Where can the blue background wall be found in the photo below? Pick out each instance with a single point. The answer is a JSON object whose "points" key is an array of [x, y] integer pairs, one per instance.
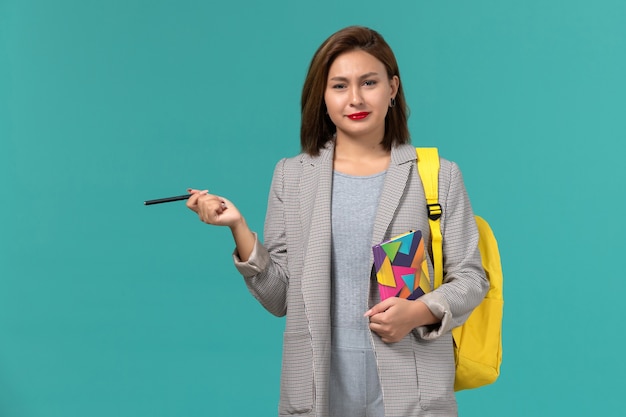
{"points": [[110, 308]]}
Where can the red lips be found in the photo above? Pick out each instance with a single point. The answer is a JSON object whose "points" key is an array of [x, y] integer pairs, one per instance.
{"points": [[358, 116]]}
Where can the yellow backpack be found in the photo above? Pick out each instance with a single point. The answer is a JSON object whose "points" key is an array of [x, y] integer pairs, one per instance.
{"points": [[478, 342]]}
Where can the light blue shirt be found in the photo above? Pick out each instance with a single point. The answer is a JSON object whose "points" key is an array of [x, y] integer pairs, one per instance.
{"points": [[354, 385]]}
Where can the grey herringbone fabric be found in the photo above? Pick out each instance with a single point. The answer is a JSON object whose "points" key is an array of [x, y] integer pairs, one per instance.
{"points": [[290, 274]]}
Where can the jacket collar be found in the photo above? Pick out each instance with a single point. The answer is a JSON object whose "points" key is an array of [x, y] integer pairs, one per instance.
{"points": [[400, 154]]}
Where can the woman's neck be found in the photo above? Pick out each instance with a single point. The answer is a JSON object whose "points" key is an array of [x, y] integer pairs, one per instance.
{"points": [[356, 157]]}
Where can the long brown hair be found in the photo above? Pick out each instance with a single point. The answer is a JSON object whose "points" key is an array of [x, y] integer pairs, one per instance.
{"points": [[316, 127]]}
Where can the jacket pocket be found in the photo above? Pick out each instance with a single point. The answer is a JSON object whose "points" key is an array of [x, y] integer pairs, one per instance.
{"points": [[296, 381], [434, 363]]}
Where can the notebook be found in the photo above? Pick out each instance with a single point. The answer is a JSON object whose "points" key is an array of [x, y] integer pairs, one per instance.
{"points": [[401, 268]]}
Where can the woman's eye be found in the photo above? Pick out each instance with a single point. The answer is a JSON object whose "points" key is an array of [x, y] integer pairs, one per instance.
{"points": [[369, 83], [339, 86]]}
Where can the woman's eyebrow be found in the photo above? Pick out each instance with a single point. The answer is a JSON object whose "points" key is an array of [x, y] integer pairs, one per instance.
{"points": [[367, 75]]}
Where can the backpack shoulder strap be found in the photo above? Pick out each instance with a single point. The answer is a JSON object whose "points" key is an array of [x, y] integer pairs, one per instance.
{"points": [[428, 168]]}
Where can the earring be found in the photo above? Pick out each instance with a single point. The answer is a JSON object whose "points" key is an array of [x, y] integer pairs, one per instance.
{"points": [[392, 103]]}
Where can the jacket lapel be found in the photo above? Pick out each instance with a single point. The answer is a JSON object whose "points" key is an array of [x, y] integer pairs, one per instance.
{"points": [[315, 196], [315, 209], [402, 163]]}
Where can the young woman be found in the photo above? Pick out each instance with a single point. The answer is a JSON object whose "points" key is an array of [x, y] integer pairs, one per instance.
{"points": [[346, 353]]}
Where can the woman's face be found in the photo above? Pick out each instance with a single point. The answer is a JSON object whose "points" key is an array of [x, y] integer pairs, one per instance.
{"points": [[358, 94]]}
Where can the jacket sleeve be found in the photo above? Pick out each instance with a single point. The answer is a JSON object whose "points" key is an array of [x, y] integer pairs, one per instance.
{"points": [[265, 272], [464, 281]]}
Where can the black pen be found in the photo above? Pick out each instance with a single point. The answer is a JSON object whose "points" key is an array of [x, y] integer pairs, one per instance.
{"points": [[167, 199]]}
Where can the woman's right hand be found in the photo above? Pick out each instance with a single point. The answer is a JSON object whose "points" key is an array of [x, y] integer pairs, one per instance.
{"points": [[218, 211], [212, 209]]}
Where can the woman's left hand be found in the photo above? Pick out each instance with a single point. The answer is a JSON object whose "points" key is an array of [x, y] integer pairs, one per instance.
{"points": [[395, 317]]}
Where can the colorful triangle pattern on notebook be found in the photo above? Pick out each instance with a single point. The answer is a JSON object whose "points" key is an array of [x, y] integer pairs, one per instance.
{"points": [[401, 268]]}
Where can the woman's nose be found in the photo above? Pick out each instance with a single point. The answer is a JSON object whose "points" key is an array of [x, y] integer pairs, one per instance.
{"points": [[356, 98]]}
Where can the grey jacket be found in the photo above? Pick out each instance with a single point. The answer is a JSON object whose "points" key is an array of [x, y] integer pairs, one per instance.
{"points": [[290, 274]]}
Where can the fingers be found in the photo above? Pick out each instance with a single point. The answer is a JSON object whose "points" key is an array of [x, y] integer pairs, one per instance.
{"points": [[381, 307], [395, 317], [387, 332], [382, 329], [213, 209], [225, 202], [192, 202], [209, 207], [390, 319], [194, 191], [377, 318]]}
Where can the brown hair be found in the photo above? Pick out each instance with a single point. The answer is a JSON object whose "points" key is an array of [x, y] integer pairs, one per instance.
{"points": [[316, 127]]}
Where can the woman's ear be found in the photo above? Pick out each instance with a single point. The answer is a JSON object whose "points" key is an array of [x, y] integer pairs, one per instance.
{"points": [[395, 85]]}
